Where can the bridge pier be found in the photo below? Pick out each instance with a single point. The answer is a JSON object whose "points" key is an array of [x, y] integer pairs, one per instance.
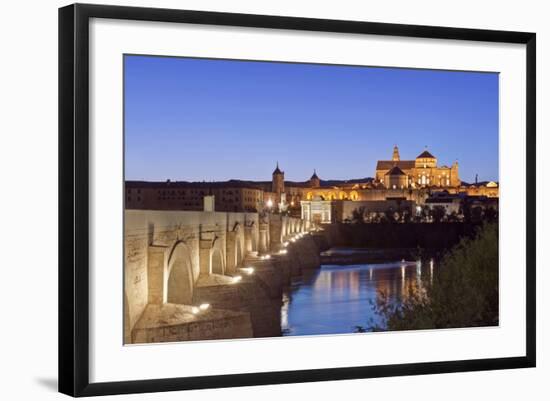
{"points": [[275, 232], [262, 248], [156, 274], [205, 257], [232, 251], [248, 232]]}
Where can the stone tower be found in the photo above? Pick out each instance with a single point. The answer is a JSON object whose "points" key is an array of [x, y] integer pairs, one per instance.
{"points": [[395, 156], [278, 181], [455, 178], [314, 181]]}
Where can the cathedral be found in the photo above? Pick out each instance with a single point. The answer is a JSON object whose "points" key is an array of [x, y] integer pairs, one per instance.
{"points": [[393, 178], [418, 173]]}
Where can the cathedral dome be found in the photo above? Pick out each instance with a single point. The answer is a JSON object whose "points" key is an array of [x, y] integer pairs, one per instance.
{"points": [[425, 160]]}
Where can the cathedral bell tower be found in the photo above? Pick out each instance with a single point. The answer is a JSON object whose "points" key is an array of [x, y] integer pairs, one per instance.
{"points": [[314, 181], [395, 156]]}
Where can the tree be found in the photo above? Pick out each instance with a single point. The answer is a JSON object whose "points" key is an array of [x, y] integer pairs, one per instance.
{"points": [[466, 211], [358, 215], [406, 216], [390, 215], [425, 213], [453, 217], [476, 214], [490, 215], [438, 213], [464, 292]]}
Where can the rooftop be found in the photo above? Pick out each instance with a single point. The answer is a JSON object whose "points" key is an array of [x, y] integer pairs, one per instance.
{"points": [[395, 171], [425, 155], [388, 164], [277, 170]]}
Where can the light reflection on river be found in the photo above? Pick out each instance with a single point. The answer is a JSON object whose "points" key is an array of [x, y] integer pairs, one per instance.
{"points": [[337, 298]]}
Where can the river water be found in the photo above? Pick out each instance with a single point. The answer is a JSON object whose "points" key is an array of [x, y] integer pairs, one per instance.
{"points": [[337, 298]]}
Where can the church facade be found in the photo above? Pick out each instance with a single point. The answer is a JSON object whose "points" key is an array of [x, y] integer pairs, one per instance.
{"points": [[418, 173]]}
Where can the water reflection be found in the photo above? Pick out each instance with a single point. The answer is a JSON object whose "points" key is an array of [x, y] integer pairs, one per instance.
{"points": [[337, 299]]}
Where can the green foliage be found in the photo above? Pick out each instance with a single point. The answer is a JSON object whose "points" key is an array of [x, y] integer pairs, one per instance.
{"points": [[477, 214], [453, 217], [390, 216], [358, 215], [464, 292], [490, 215], [438, 213]]}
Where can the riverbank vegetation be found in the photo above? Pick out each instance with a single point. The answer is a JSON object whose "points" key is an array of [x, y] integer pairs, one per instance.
{"points": [[439, 236], [467, 213], [464, 291]]}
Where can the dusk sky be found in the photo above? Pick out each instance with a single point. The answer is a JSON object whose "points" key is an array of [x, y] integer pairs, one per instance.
{"points": [[197, 119]]}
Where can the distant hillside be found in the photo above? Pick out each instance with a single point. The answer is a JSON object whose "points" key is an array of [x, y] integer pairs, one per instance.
{"points": [[242, 183]]}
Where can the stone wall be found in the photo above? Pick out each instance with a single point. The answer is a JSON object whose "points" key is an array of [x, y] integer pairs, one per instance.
{"points": [[171, 322], [147, 231], [187, 258]]}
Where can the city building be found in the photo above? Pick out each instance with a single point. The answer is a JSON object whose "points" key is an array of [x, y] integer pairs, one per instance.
{"points": [[451, 203], [231, 196], [421, 172], [395, 180], [317, 210]]}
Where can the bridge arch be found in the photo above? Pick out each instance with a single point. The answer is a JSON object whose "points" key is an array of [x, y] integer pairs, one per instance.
{"points": [[179, 277]]}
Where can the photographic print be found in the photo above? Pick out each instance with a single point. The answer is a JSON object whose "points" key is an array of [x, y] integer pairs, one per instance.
{"points": [[269, 199]]}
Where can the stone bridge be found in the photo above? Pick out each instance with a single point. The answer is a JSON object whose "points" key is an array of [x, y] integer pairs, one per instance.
{"points": [[207, 275]]}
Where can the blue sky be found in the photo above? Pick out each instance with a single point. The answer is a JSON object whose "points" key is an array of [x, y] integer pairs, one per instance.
{"points": [[201, 119]]}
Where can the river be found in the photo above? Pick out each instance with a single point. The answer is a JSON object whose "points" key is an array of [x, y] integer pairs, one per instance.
{"points": [[335, 299]]}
